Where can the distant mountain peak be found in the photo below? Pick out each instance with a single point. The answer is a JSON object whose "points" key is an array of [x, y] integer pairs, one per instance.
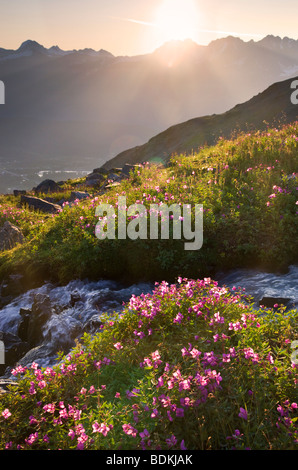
{"points": [[31, 46]]}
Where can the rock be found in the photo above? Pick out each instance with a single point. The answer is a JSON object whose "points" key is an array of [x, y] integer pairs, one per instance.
{"points": [[41, 313], [6, 384], [18, 192], [271, 301], [40, 204], [128, 168], [78, 195], [15, 349], [10, 236], [112, 185], [74, 298], [13, 286], [94, 178], [113, 177], [23, 327], [47, 186], [42, 355], [102, 171]]}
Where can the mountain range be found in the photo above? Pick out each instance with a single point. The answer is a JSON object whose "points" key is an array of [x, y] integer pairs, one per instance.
{"points": [[76, 110]]}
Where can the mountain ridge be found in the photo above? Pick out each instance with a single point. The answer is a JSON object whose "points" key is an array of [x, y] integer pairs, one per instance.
{"points": [[266, 108]]}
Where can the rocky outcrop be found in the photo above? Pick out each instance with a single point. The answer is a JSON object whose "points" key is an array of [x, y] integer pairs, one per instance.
{"points": [[31, 326], [40, 204], [10, 236]]}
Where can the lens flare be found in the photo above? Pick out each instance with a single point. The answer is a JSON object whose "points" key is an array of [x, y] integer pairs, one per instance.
{"points": [[177, 19]]}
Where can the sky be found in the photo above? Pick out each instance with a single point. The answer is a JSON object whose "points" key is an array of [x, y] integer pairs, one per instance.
{"points": [[133, 27]]}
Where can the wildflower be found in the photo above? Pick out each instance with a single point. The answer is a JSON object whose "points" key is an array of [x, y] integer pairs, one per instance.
{"points": [[102, 428], [144, 434], [172, 441], [18, 370], [32, 388], [118, 346], [50, 408], [32, 438], [6, 413], [182, 445], [81, 441], [154, 413], [129, 430]]}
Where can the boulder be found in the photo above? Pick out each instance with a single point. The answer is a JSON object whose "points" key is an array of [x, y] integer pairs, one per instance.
{"points": [[10, 236], [93, 325], [19, 192], [40, 314], [47, 186], [127, 168], [95, 179], [74, 298], [40, 204], [15, 349], [80, 195]]}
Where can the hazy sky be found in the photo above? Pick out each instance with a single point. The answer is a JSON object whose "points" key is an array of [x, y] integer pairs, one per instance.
{"points": [[130, 27]]}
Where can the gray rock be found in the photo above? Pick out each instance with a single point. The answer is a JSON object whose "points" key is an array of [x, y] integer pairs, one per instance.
{"points": [[78, 195], [10, 236], [128, 168], [41, 313], [47, 186], [40, 204], [19, 192]]}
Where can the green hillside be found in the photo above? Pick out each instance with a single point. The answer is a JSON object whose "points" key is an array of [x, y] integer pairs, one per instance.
{"points": [[248, 189], [273, 106]]}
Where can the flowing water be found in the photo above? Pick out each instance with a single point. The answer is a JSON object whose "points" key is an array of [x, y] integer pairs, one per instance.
{"points": [[78, 306]]}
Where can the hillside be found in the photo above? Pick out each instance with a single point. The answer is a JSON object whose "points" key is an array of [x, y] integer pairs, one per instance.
{"points": [[273, 106]]}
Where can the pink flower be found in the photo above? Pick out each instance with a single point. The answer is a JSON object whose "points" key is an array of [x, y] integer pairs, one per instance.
{"points": [[144, 434], [171, 441], [6, 413], [129, 430], [102, 428], [118, 346], [179, 412]]}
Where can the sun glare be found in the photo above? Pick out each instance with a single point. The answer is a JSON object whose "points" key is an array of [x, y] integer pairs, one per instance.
{"points": [[177, 19]]}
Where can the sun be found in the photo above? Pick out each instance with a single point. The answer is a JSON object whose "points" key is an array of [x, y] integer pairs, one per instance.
{"points": [[177, 19]]}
